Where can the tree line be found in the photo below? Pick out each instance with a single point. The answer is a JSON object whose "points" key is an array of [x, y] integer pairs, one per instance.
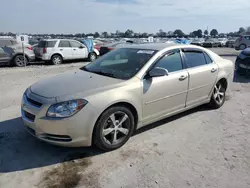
{"points": [[131, 34]]}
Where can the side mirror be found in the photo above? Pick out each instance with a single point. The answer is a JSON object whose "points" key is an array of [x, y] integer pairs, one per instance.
{"points": [[157, 72]]}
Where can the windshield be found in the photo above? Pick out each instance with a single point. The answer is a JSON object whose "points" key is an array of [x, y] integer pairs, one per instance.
{"points": [[122, 63]]}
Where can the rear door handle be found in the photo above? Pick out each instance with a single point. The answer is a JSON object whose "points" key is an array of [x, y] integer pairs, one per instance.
{"points": [[213, 70], [61, 49], [74, 49], [182, 77]]}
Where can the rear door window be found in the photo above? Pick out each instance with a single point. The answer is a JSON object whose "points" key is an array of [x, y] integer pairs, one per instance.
{"points": [[208, 59], [46, 44], [64, 44], [194, 58]]}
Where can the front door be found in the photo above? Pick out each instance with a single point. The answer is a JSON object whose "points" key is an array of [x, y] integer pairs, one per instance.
{"points": [[202, 75], [165, 94], [79, 50]]}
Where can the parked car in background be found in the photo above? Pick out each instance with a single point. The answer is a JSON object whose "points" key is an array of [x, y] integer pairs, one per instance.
{"points": [[106, 101], [58, 50], [242, 63], [111, 46], [230, 43], [242, 42], [11, 52], [198, 41], [212, 42], [222, 42]]}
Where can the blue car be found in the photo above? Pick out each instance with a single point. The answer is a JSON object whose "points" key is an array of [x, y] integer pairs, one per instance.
{"points": [[242, 63]]}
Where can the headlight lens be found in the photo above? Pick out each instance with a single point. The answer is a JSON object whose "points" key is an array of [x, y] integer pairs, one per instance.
{"points": [[66, 109]]}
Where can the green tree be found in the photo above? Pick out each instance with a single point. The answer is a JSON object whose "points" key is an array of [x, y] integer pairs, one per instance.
{"points": [[129, 33], [206, 32], [241, 30], [214, 32], [96, 35], [179, 33], [105, 34]]}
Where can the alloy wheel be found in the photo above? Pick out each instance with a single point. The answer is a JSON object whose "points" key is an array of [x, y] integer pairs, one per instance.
{"points": [[19, 61], [219, 93], [92, 57], [116, 128], [57, 60]]}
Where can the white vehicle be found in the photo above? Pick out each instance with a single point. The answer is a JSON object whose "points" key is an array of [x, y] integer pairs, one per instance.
{"points": [[58, 50]]}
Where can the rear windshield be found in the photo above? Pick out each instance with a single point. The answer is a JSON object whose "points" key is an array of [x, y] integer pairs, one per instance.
{"points": [[46, 44]]}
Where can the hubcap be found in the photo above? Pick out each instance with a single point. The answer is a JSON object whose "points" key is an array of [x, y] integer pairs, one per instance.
{"points": [[116, 128], [92, 57], [57, 60], [218, 93], [242, 47], [20, 60]]}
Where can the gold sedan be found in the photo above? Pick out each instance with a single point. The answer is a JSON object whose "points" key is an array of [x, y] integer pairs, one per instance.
{"points": [[104, 102]]}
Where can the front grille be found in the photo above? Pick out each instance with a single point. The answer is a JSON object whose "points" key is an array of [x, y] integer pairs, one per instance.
{"points": [[35, 103], [58, 138], [29, 116]]}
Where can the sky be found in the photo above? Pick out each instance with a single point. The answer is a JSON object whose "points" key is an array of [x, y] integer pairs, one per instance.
{"points": [[85, 16]]}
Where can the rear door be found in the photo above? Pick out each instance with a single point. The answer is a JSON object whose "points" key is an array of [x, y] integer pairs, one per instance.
{"points": [[202, 75], [65, 49], [247, 39], [79, 51]]}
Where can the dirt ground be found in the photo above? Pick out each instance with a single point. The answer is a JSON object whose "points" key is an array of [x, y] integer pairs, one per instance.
{"points": [[198, 148]]}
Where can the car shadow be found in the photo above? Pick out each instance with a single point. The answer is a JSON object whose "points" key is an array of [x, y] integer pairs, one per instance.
{"points": [[20, 151], [173, 118]]}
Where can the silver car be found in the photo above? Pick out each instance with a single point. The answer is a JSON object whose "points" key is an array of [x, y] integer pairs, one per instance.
{"points": [[11, 52], [104, 102], [242, 42]]}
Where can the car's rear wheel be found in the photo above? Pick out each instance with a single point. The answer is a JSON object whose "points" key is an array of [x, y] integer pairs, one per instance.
{"points": [[114, 128], [218, 96], [242, 47], [92, 56], [20, 61], [56, 59]]}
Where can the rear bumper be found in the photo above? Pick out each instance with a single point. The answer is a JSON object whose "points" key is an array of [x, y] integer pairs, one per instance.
{"points": [[32, 57]]}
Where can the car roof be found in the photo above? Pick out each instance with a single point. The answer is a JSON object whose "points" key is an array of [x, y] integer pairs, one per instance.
{"points": [[154, 46]]}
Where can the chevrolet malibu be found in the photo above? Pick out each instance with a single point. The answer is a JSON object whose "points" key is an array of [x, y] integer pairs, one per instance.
{"points": [[104, 102]]}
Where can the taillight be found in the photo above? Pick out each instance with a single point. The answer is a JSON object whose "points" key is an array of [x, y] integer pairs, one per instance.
{"points": [[44, 50], [241, 38], [111, 48], [29, 48]]}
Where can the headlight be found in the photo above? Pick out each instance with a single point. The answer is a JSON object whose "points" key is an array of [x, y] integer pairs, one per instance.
{"points": [[66, 109]]}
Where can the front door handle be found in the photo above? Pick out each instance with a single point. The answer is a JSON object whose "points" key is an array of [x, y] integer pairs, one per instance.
{"points": [[213, 70], [182, 77]]}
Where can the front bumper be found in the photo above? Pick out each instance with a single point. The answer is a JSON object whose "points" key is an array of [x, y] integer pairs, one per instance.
{"points": [[75, 131]]}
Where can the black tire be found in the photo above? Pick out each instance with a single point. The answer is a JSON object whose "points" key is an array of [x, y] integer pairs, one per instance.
{"points": [[100, 140], [19, 60], [56, 59], [92, 57], [214, 102], [242, 47]]}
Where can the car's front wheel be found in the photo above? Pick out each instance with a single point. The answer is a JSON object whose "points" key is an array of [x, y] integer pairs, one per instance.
{"points": [[113, 128], [218, 96], [92, 56]]}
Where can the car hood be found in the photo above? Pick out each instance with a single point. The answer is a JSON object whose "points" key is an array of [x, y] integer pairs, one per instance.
{"points": [[72, 83]]}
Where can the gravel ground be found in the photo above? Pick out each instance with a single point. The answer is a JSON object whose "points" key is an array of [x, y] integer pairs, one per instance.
{"points": [[198, 148]]}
